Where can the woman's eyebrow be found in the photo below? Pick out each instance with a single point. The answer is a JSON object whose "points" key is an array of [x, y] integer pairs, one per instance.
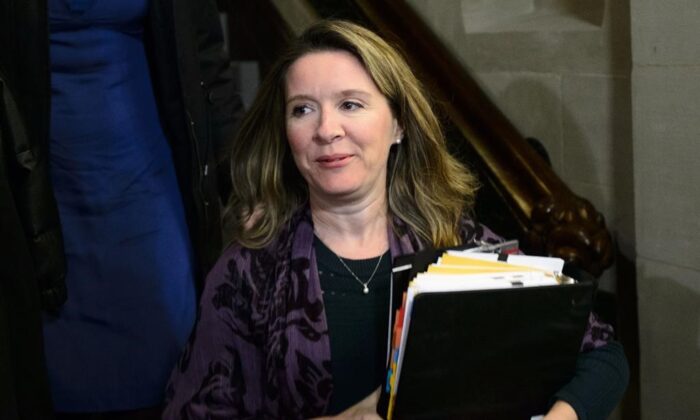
{"points": [[341, 94], [300, 96], [354, 92]]}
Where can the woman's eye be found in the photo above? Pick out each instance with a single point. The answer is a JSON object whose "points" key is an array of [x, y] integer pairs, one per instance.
{"points": [[299, 110], [350, 105]]}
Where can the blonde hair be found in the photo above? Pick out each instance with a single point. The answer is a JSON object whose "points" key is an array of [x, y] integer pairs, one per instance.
{"points": [[429, 190]]}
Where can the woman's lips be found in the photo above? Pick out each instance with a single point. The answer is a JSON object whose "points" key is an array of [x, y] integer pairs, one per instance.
{"points": [[334, 161]]}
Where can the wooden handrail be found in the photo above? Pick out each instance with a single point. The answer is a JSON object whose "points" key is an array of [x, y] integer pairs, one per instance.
{"points": [[553, 219]]}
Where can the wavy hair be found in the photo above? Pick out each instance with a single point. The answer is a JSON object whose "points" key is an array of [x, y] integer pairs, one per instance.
{"points": [[429, 190]]}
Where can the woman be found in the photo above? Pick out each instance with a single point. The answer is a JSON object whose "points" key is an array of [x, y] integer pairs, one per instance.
{"points": [[340, 167], [125, 104]]}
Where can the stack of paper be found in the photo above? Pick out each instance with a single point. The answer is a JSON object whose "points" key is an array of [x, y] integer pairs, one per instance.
{"points": [[466, 271]]}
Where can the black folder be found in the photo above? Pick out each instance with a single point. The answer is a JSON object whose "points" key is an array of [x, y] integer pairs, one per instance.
{"points": [[489, 354]]}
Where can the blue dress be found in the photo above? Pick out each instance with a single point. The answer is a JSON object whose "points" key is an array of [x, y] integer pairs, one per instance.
{"points": [[131, 299]]}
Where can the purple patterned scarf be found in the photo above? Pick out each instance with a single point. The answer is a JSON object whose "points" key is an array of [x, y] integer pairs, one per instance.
{"points": [[260, 348]]}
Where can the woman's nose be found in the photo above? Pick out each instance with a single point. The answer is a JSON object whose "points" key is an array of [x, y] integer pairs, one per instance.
{"points": [[329, 127]]}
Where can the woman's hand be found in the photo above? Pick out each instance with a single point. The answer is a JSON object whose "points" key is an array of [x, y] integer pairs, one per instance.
{"points": [[363, 410], [561, 411]]}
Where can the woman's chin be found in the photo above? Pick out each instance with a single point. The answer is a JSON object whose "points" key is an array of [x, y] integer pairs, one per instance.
{"points": [[338, 195], [343, 195]]}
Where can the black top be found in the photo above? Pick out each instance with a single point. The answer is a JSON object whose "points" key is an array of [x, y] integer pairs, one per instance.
{"points": [[358, 355], [357, 324], [595, 391]]}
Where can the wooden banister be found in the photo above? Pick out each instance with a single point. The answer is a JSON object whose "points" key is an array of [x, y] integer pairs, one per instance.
{"points": [[553, 219]]}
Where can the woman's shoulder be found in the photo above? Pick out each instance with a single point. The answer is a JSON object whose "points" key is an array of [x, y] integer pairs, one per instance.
{"points": [[256, 267], [242, 267], [471, 230]]}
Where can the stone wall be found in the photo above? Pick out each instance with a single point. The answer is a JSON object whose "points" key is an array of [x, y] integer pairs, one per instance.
{"points": [[666, 123], [561, 73], [612, 88]]}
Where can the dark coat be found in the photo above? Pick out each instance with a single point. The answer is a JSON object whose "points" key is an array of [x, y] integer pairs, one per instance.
{"points": [[24, 388], [198, 108], [197, 103]]}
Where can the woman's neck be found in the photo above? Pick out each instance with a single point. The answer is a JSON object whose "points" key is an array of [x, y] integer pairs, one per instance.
{"points": [[353, 230]]}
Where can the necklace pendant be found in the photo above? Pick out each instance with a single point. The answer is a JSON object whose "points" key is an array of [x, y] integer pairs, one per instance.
{"points": [[365, 290]]}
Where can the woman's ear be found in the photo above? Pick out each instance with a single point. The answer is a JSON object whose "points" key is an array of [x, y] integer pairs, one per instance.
{"points": [[398, 133]]}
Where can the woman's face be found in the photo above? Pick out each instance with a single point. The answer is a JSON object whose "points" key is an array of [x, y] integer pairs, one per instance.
{"points": [[339, 126]]}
